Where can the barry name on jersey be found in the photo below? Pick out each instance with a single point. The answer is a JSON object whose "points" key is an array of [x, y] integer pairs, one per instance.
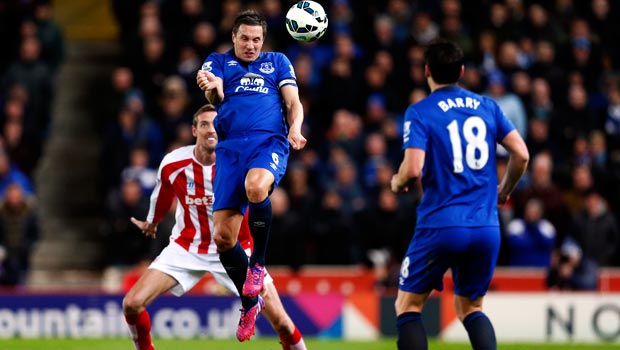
{"points": [[458, 102]]}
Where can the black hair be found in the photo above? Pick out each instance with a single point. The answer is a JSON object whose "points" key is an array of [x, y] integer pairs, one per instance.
{"points": [[444, 60]]}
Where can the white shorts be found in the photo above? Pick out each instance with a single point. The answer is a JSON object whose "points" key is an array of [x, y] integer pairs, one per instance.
{"points": [[189, 268]]}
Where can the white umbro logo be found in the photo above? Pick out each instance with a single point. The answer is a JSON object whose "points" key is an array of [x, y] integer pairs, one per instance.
{"points": [[231, 63]]}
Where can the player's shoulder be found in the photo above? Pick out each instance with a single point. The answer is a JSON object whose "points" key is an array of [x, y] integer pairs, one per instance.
{"points": [[179, 154], [214, 58]]}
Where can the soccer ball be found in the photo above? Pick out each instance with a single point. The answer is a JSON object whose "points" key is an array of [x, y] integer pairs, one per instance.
{"points": [[306, 21]]}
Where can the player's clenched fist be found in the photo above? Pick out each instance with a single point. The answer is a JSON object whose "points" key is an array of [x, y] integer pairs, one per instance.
{"points": [[205, 80]]}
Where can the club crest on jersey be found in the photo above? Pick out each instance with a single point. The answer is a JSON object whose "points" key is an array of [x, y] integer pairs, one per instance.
{"points": [[252, 82], [207, 66], [266, 67]]}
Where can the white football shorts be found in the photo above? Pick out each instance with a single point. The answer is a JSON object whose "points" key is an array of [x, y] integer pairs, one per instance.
{"points": [[189, 268]]}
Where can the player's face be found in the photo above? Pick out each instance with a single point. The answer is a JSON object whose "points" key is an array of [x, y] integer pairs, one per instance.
{"points": [[204, 131], [248, 42]]}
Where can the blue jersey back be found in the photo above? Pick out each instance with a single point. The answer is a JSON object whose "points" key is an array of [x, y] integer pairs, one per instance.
{"points": [[458, 130], [252, 101]]}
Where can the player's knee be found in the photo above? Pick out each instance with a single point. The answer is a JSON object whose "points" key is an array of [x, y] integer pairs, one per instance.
{"points": [[132, 305], [255, 192], [224, 242]]}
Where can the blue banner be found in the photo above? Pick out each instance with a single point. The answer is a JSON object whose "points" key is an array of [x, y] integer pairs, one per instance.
{"points": [[100, 316]]}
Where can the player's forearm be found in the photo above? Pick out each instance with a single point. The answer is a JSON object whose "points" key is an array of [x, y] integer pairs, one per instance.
{"points": [[405, 174], [515, 170], [214, 96], [295, 117]]}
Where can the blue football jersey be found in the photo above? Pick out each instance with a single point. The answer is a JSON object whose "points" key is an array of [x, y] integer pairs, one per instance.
{"points": [[459, 131], [252, 101]]}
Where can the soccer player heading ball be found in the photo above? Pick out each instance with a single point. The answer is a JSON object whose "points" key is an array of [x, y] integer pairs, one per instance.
{"points": [[450, 141], [248, 87]]}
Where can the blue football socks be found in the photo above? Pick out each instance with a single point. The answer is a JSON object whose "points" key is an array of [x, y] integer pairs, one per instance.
{"points": [[235, 263], [411, 332], [259, 220], [480, 331]]}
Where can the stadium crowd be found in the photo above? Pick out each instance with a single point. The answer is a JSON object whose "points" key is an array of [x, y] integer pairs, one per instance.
{"points": [[32, 50], [553, 66]]}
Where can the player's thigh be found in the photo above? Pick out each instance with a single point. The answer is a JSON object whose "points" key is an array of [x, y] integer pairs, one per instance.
{"points": [[271, 153], [425, 262], [473, 269], [149, 286]]}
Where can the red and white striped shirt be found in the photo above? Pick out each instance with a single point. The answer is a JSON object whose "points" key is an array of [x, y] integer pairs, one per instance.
{"points": [[181, 176]]}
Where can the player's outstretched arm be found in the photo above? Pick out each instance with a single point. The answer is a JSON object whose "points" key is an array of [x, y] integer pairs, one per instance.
{"points": [[517, 164], [410, 170], [147, 228], [294, 116]]}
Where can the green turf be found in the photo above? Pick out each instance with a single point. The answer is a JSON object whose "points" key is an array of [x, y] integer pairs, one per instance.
{"points": [[264, 344]]}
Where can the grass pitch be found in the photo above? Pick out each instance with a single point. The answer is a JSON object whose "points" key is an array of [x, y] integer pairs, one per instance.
{"points": [[266, 343]]}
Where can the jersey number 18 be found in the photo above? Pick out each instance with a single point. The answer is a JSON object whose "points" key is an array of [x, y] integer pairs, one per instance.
{"points": [[477, 149]]}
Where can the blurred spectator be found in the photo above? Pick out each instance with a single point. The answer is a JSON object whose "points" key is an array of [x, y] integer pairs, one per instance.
{"points": [[424, 29], [530, 240], [122, 237], [174, 107], [389, 217], [546, 67], [50, 35], [333, 240], [541, 186], [122, 82], [485, 55], [576, 117], [581, 184], [541, 26], [346, 184], [10, 174], [36, 77], [508, 102], [539, 140], [128, 131], [612, 115], [288, 233], [595, 234], [139, 169], [375, 156], [19, 231], [541, 103]]}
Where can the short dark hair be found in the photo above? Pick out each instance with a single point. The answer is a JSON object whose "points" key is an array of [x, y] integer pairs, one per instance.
{"points": [[205, 108], [250, 18], [445, 60]]}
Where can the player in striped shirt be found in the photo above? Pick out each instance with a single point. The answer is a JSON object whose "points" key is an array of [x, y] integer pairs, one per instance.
{"points": [[186, 175]]}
